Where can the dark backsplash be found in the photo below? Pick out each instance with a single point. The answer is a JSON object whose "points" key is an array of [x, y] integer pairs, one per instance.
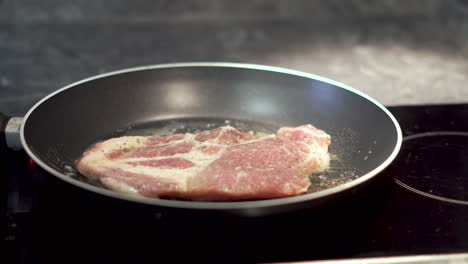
{"points": [[375, 46], [170, 11]]}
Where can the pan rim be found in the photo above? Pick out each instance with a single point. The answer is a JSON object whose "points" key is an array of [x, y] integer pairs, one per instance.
{"points": [[235, 205]]}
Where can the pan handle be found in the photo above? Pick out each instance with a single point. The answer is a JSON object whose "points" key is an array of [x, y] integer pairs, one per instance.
{"points": [[10, 133]]}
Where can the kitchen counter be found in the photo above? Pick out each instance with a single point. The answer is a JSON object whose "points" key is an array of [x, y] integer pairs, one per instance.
{"points": [[397, 52]]}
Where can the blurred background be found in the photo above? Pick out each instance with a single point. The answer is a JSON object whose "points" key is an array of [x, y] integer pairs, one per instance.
{"points": [[397, 51]]}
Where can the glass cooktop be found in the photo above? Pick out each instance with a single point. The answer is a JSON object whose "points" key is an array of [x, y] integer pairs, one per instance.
{"points": [[420, 206]]}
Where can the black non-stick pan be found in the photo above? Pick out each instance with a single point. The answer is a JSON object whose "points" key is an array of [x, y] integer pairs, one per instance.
{"points": [[175, 98]]}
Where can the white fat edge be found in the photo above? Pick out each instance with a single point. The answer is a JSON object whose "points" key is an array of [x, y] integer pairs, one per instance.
{"points": [[261, 135], [200, 159], [195, 155], [139, 141], [119, 186], [106, 147], [319, 153], [177, 175], [266, 136], [318, 133]]}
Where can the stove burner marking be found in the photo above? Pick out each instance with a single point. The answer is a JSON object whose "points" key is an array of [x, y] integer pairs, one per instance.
{"points": [[430, 195], [430, 161]]}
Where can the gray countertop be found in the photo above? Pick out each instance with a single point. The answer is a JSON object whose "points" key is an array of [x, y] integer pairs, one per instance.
{"points": [[397, 52]]}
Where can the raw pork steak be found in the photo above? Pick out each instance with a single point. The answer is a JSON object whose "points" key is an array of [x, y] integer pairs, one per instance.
{"points": [[221, 164]]}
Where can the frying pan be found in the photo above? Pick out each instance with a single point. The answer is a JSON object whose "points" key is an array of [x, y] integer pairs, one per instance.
{"points": [[188, 97]]}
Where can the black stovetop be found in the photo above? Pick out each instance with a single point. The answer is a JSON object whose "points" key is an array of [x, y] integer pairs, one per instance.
{"points": [[421, 208]]}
